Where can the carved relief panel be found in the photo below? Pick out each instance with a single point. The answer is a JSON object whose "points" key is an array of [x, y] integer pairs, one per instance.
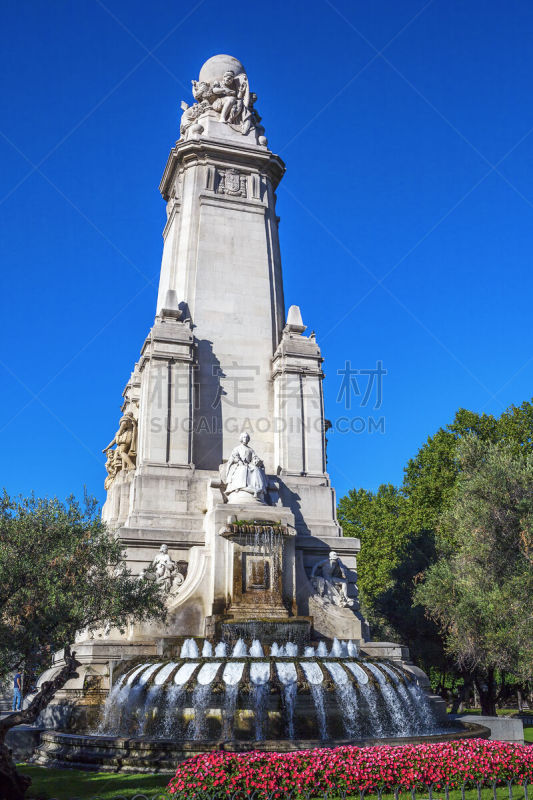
{"points": [[231, 182]]}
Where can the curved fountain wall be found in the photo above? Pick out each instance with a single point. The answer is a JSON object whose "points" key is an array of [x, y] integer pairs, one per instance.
{"points": [[243, 693]]}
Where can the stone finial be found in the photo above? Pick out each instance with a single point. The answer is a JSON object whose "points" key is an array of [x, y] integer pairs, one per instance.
{"points": [[171, 308], [215, 67], [294, 320], [222, 89]]}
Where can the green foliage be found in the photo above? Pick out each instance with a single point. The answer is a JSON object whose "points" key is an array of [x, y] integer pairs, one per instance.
{"points": [[380, 521], [480, 591], [61, 571], [402, 529], [391, 558], [430, 476]]}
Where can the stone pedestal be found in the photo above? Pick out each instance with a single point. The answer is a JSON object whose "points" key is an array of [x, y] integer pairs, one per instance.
{"points": [[263, 570]]}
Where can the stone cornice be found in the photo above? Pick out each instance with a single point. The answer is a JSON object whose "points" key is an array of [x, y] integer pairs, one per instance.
{"points": [[204, 151]]}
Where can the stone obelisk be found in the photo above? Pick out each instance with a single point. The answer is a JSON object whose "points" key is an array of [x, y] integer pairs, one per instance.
{"points": [[221, 360]]}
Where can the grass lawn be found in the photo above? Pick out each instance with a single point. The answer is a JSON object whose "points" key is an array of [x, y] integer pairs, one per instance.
{"points": [[65, 784], [501, 712]]}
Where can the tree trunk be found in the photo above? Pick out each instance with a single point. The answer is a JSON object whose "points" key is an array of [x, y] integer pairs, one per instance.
{"points": [[459, 702], [520, 700], [12, 785], [487, 694], [476, 696]]}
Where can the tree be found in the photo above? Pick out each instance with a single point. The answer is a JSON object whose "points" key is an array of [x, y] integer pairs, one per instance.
{"points": [[60, 571], [380, 521], [429, 477], [480, 591], [392, 556], [401, 529]]}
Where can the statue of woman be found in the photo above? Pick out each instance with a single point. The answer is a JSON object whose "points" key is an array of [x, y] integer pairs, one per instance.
{"points": [[164, 568], [245, 474]]}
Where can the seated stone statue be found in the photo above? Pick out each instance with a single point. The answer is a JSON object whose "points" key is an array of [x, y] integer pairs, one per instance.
{"points": [[226, 92], [329, 579], [245, 477], [164, 568]]}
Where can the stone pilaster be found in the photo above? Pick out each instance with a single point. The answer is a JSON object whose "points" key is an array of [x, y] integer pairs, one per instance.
{"points": [[299, 420], [166, 369]]}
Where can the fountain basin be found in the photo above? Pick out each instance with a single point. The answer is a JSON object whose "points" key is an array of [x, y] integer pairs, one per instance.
{"points": [[248, 696], [122, 754]]}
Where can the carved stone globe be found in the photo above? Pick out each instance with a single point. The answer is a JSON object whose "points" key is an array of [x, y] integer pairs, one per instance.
{"points": [[215, 67]]}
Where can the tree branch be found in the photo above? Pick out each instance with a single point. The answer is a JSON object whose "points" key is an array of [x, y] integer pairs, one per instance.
{"points": [[47, 691]]}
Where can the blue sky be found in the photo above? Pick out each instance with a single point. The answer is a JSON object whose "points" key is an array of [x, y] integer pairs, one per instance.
{"points": [[406, 210]]}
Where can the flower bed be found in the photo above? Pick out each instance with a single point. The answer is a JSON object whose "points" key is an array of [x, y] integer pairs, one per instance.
{"points": [[351, 769]]}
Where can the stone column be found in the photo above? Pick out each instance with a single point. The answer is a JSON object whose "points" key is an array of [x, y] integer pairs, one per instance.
{"points": [[299, 420], [166, 394]]}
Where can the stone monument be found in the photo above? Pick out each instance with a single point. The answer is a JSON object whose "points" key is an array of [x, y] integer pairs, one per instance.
{"points": [[217, 474], [223, 416]]}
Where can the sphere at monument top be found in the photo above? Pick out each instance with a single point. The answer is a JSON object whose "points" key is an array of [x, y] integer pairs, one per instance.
{"points": [[215, 67]]}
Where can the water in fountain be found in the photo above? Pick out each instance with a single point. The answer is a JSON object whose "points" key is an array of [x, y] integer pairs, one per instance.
{"points": [[152, 698], [189, 649], [201, 697], [404, 699], [260, 680], [315, 678], [291, 649], [416, 704], [353, 650], [231, 677], [398, 723], [221, 650], [129, 707], [259, 697], [267, 540], [338, 649], [170, 727], [346, 698], [185, 672], [322, 650], [113, 704], [150, 706], [200, 701], [288, 677], [240, 649], [256, 650]]}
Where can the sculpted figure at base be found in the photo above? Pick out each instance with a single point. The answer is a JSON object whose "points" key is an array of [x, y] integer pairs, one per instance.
{"points": [[168, 574], [245, 477], [329, 579], [112, 466], [164, 568], [126, 441]]}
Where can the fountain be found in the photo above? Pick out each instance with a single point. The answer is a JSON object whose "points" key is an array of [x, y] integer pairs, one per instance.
{"points": [[263, 694], [249, 695], [264, 645], [278, 697]]}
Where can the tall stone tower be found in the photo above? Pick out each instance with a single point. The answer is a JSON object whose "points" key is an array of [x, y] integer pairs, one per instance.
{"points": [[222, 360]]}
